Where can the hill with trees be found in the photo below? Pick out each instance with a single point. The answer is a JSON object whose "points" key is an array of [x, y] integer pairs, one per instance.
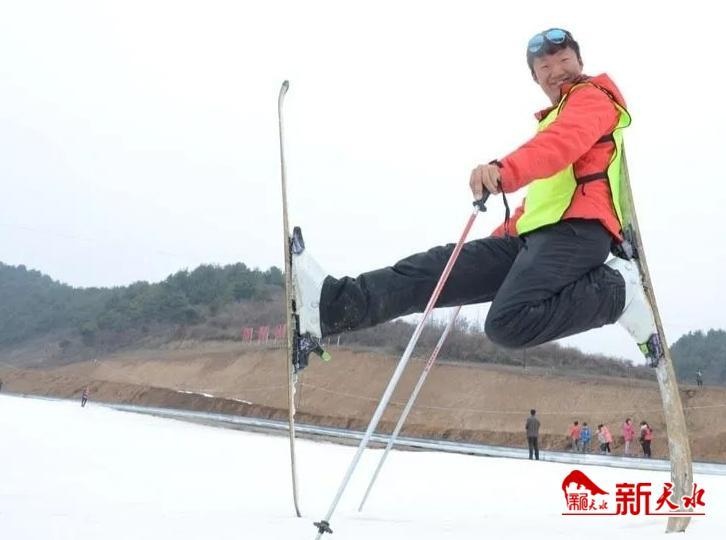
{"points": [[704, 351], [34, 305], [214, 302]]}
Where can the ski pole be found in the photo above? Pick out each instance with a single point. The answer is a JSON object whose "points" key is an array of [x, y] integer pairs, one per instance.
{"points": [[409, 404], [323, 525]]}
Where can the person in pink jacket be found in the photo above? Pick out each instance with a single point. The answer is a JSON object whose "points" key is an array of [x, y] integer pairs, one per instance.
{"points": [[574, 434], [628, 435], [604, 438]]}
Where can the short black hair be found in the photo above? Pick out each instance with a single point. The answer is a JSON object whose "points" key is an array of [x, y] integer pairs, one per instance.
{"points": [[551, 48], [532, 412]]}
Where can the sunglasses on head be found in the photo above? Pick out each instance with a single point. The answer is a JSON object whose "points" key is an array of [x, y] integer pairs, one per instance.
{"points": [[554, 35]]}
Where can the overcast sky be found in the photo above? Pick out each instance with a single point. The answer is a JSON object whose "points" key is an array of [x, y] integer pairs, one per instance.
{"points": [[140, 137]]}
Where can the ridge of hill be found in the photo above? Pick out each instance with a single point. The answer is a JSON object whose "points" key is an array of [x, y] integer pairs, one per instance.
{"points": [[44, 322]]}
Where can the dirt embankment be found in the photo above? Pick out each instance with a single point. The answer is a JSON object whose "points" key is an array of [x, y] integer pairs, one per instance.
{"points": [[465, 402]]}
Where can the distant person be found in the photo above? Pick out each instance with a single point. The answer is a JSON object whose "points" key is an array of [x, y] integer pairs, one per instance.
{"points": [[646, 438], [699, 378], [604, 438], [1, 385], [628, 435], [532, 429], [84, 397], [574, 434], [608, 438], [585, 438]]}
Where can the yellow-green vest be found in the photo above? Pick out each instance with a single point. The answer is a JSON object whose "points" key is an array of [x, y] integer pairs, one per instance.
{"points": [[549, 198]]}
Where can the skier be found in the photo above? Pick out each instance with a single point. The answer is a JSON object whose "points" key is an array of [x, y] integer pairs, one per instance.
{"points": [[628, 435], [84, 397], [532, 429], [544, 268], [699, 378]]}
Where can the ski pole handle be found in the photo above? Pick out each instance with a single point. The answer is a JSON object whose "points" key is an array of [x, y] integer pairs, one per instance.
{"points": [[480, 203]]}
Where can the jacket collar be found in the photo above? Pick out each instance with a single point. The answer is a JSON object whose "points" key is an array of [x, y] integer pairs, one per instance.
{"points": [[539, 115]]}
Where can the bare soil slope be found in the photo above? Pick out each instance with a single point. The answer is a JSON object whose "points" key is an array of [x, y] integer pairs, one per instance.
{"points": [[460, 401]]}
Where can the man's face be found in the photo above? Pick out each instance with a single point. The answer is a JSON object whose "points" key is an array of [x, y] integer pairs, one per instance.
{"points": [[551, 71]]}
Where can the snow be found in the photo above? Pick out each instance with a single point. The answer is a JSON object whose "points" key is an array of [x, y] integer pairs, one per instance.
{"points": [[205, 394], [70, 472]]}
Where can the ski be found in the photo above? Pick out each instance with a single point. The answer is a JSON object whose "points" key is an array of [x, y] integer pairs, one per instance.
{"points": [[679, 449], [289, 300]]}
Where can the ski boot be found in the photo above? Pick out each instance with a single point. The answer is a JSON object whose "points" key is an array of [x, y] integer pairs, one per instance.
{"points": [[637, 316], [307, 277], [652, 350]]}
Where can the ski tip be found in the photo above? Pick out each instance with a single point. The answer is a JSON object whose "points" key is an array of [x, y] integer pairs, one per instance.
{"points": [[285, 84]]}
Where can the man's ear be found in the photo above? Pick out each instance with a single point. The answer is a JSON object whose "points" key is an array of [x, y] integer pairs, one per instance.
{"points": [[534, 77]]}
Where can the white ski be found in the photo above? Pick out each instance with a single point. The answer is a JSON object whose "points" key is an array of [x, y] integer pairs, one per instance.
{"points": [[679, 448], [289, 299]]}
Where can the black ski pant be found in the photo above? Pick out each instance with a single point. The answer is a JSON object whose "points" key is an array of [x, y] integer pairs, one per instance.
{"points": [[646, 448], [532, 442], [548, 284]]}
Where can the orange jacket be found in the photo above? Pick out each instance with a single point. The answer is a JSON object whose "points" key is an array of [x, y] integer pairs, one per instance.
{"points": [[587, 115]]}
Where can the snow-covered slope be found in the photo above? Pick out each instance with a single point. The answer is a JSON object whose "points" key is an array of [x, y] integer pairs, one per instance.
{"points": [[73, 473]]}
